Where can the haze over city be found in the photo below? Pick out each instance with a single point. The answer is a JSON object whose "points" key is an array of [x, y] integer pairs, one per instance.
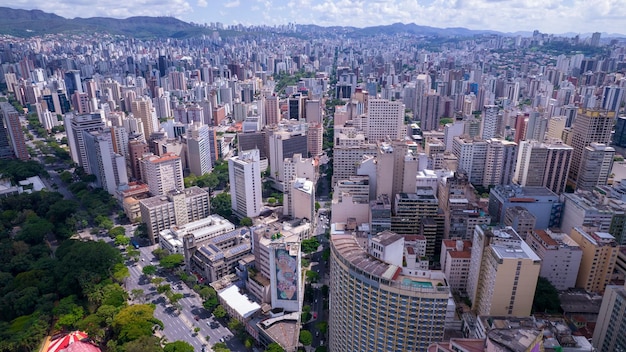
{"points": [[551, 16]]}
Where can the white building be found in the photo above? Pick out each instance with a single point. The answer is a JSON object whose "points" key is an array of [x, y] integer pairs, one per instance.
{"points": [[162, 173], [244, 172], [386, 120], [560, 257]]}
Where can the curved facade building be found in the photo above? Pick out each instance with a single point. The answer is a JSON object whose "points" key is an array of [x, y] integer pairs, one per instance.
{"points": [[376, 306]]}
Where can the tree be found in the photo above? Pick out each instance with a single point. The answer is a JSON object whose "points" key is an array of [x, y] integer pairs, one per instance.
{"points": [[322, 326], [219, 312], [221, 205], [178, 346], [312, 276], [274, 347], [546, 297], [117, 231], [172, 261], [144, 344], [309, 245], [220, 347], [134, 321], [235, 326], [245, 221], [159, 253], [306, 338], [122, 240], [321, 349], [149, 270], [164, 288], [137, 294], [317, 206]]}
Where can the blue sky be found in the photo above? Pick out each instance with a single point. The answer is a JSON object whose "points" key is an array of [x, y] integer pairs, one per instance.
{"points": [[550, 16]]}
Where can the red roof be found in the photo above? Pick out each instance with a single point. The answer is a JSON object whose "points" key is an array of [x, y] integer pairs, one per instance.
{"points": [[63, 342]]}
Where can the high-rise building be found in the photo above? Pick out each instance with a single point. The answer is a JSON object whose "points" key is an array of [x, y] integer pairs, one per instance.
{"points": [[595, 166], [271, 110], [543, 164], [199, 150], [411, 210], [385, 120], [375, 305], [619, 137], [503, 273], [284, 143], [598, 260], [72, 82], [590, 126], [610, 332], [162, 173], [499, 162], [176, 208], [471, 153], [430, 113], [455, 263], [142, 109], [137, 147], [75, 125], [491, 124], [108, 167], [560, 257], [315, 138], [539, 201], [12, 142], [244, 173]]}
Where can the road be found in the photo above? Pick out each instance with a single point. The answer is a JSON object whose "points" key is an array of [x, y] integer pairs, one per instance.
{"points": [[178, 325]]}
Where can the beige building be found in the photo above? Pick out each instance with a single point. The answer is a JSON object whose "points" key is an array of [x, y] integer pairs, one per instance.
{"points": [[503, 273], [163, 173], [543, 164], [598, 260], [177, 208], [375, 306]]}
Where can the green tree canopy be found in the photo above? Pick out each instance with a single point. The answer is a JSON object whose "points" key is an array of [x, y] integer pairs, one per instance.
{"points": [[178, 346], [134, 321], [309, 245], [546, 297], [172, 261], [245, 221], [219, 312], [221, 205], [306, 338], [274, 347], [144, 344], [149, 270]]}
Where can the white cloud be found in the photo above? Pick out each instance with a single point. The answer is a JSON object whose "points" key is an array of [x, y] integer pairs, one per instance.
{"points": [[203, 3], [235, 3]]}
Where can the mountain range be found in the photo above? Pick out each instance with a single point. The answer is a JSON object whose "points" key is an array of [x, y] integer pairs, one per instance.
{"points": [[27, 23]]}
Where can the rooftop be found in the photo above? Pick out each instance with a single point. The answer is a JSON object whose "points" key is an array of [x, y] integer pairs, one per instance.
{"points": [[240, 303]]}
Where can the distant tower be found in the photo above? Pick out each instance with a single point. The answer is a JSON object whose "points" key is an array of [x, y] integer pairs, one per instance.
{"points": [[72, 82], [12, 140], [74, 127], [595, 39], [143, 110]]}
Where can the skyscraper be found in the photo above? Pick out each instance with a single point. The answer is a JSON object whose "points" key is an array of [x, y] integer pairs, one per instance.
{"points": [[244, 173], [590, 126], [74, 127], [598, 260], [108, 166], [595, 166], [543, 164], [199, 150], [499, 162], [11, 135], [375, 305], [385, 120], [610, 332], [503, 273], [162, 173], [143, 110], [72, 82], [491, 123]]}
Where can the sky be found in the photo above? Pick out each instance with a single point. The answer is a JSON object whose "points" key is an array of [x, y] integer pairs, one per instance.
{"points": [[548, 16]]}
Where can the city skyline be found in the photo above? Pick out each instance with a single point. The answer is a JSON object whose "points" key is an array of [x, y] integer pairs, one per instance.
{"points": [[507, 16]]}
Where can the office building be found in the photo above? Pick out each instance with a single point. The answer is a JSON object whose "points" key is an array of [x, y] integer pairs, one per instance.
{"points": [[560, 257], [539, 201], [284, 142], [543, 164], [503, 273], [108, 166], [137, 147], [375, 305], [610, 332], [176, 208], [75, 126], [590, 126], [244, 172], [596, 165], [491, 123], [142, 109], [199, 150], [72, 82], [12, 142], [286, 284], [162, 173], [455, 263], [499, 162], [619, 137], [315, 139], [385, 120], [520, 219], [471, 154], [587, 209], [598, 259]]}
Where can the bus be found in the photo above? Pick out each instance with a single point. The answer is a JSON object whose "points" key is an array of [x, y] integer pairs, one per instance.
{"points": [[135, 244]]}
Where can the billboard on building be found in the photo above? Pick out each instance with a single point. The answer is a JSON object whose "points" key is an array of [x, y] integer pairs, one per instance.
{"points": [[286, 267]]}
